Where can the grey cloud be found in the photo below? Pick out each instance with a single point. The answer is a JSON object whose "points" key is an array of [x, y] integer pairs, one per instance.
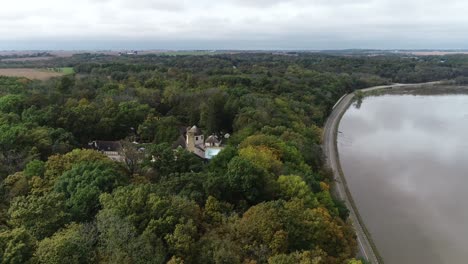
{"points": [[296, 24], [162, 5], [259, 3]]}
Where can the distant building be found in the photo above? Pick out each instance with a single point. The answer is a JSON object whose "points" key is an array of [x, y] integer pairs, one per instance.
{"points": [[194, 141], [132, 52], [109, 148]]}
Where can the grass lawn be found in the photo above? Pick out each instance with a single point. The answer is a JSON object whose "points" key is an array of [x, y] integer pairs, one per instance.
{"points": [[67, 70]]}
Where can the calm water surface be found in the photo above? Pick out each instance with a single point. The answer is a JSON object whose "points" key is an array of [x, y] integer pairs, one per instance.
{"points": [[405, 159]]}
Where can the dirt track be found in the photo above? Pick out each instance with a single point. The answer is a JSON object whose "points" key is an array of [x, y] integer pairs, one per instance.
{"points": [[367, 249]]}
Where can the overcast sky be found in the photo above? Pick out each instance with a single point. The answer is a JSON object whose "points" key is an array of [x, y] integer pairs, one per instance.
{"points": [[233, 24]]}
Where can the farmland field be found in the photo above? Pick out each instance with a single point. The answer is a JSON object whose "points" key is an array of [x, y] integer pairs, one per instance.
{"points": [[188, 53], [35, 74], [438, 53], [26, 59]]}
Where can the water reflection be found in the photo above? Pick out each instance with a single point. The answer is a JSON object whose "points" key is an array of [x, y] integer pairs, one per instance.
{"points": [[405, 159]]}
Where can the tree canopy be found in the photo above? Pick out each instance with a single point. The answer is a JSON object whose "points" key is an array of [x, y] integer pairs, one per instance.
{"points": [[264, 199]]}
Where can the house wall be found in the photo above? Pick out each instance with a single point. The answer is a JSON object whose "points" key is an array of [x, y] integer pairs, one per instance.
{"points": [[114, 155], [199, 140], [199, 152], [190, 142]]}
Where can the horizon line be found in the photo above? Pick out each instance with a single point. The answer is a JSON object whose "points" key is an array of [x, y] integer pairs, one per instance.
{"points": [[214, 50]]}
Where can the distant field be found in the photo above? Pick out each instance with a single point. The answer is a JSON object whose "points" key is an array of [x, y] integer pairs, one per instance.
{"points": [[437, 53], [27, 59], [36, 74], [188, 52], [64, 70]]}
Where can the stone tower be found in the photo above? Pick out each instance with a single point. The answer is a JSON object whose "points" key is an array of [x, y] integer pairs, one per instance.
{"points": [[194, 138]]}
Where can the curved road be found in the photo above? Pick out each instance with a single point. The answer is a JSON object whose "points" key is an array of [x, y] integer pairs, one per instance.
{"points": [[367, 249]]}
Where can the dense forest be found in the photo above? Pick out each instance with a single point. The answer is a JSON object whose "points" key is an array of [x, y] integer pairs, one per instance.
{"points": [[266, 198]]}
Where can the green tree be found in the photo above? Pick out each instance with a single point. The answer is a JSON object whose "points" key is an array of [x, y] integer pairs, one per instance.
{"points": [[81, 118], [213, 116], [263, 158], [150, 219], [133, 155], [167, 130], [249, 182], [293, 186], [16, 185], [120, 241], [165, 160], [16, 148], [220, 162], [83, 184], [218, 248], [304, 257], [130, 115], [147, 130], [39, 215], [216, 211], [12, 103], [65, 84], [182, 241], [16, 246], [56, 165], [189, 185], [72, 244], [34, 168]]}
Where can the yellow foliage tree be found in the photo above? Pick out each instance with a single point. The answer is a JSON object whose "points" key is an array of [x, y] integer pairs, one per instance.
{"points": [[263, 158]]}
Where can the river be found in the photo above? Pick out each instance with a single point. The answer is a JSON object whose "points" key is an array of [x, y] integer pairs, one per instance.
{"points": [[405, 159]]}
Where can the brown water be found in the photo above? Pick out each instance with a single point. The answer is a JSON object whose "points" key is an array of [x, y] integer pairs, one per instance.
{"points": [[405, 159]]}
